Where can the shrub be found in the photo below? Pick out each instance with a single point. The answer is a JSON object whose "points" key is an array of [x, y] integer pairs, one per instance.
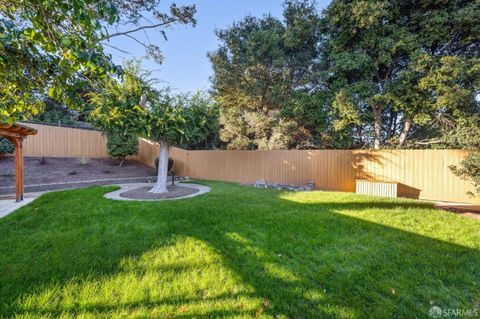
{"points": [[170, 163], [121, 145], [6, 147], [469, 169]]}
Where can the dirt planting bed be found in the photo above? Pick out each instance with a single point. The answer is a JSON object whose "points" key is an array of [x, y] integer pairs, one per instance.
{"points": [[72, 172]]}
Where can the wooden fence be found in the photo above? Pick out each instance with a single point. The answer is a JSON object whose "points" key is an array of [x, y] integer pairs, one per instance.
{"points": [[423, 174], [419, 173], [55, 141]]}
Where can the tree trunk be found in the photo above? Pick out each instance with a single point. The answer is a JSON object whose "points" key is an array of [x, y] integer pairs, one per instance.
{"points": [[377, 112], [391, 124], [406, 128], [161, 185]]}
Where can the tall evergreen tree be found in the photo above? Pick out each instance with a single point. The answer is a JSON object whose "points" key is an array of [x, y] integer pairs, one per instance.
{"points": [[397, 67], [264, 72]]}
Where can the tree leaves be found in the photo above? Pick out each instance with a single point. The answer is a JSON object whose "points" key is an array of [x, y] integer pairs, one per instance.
{"points": [[173, 119], [47, 46], [261, 68]]}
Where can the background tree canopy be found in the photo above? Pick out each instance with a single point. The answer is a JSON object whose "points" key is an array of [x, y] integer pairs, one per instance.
{"points": [[266, 78], [361, 74]]}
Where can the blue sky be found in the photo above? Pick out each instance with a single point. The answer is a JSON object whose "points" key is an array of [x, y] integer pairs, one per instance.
{"points": [[186, 67]]}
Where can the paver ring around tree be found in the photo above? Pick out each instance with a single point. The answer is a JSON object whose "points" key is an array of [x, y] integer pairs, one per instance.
{"points": [[141, 192]]}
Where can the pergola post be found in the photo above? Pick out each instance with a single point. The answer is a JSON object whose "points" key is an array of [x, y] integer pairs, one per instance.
{"points": [[19, 189]]}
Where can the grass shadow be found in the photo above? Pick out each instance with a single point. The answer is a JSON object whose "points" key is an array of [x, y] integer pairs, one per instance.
{"points": [[295, 255]]}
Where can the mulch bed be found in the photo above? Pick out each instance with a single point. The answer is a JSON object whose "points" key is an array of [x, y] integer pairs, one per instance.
{"points": [[173, 192], [64, 170]]}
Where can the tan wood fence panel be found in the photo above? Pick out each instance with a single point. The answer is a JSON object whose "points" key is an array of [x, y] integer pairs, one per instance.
{"points": [[147, 152], [330, 170], [421, 174], [55, 141]]}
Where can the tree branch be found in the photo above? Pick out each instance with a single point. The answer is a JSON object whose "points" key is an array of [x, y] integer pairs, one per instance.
{"points": [[428, 142], [136, 40], [154, 26], [116, 48]]}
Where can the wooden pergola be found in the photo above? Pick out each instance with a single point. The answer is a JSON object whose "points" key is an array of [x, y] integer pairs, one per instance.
{"points": [[16, 133]]}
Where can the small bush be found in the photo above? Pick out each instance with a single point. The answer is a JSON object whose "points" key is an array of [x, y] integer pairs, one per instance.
{"points": [[6, 147], [83, 161], [170, 163], [121, 145], [469, 169]]}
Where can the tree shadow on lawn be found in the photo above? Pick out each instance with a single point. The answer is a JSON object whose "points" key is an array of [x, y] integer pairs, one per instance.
{"points": [[301, 258]]}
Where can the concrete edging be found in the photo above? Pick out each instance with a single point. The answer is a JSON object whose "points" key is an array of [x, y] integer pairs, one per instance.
{"points": [[115, 195]]}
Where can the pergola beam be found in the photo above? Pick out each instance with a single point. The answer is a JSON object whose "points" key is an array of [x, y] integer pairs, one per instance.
{"points": [[9, 133]]}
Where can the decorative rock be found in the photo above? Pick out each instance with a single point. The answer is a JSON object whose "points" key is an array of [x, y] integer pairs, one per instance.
{"points": [[261, 184], [295, 188], [310, 185], [178, 178]]}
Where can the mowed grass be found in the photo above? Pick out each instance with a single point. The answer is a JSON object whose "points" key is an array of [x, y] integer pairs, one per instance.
{"points": [[237, 252]]}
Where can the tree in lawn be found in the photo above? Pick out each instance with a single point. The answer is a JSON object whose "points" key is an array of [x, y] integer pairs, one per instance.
{"points": [[172, 121], [130, 104]]}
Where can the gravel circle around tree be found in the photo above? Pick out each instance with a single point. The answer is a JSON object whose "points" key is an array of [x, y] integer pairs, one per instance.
{"points": [[140, 192], [173, 192]]}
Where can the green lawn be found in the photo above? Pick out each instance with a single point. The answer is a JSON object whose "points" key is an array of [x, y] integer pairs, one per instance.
{"points": [[237, 252]]}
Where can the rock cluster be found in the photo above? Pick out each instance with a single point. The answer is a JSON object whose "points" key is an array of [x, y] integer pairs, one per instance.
{"points": [[310, 186], [178, 178]]}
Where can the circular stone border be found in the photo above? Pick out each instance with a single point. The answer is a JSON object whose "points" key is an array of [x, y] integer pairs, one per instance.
{"points": [[115, 195]]}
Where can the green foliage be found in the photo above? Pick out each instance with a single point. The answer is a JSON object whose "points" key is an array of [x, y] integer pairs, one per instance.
{"points": [[116, 105], [400, 66], [262, 71], [237, 252], [45, 47], [55, 113], [174, 120], [55, 47], [362, 74], [469, 169], [120, 145], [205, 121], [6, 147], [466, 135]]}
